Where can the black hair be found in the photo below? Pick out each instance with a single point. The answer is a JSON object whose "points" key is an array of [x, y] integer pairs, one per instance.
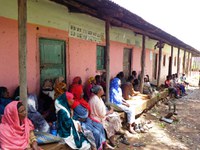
{"points": [[97, 78], [16, 93], [134, 73], [19, 104], [120, 75], [130, 78], [3, 90]]}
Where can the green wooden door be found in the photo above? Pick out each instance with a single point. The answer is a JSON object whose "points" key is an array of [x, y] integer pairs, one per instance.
{"points": [[52, 59]]}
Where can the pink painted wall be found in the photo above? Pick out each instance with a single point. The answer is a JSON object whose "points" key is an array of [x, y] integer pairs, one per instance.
{"points": [[81, 59], [136, 61], [9, 54], [148, 64], [9, 50], [80, 55]]}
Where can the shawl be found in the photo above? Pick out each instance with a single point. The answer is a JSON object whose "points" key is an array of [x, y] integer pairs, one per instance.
{"points": [[115, 92], [90, 84], [76, 80], [60, 87], [77, 91], [98, 108], [67, 127], [14, 136]]}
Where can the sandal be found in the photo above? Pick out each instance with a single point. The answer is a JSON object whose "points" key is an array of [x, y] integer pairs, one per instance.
{"points": [[108, 147], [112, 142], [142, 130], [137, 128], [124, 140], [138, 144]]}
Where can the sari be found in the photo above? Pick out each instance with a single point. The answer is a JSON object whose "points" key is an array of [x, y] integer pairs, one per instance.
{"points": [[14, 136], [67, 127], [59, 87], [111, 122]]}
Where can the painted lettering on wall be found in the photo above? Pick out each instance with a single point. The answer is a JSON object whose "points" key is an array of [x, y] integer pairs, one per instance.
{"points": [[85, 34]]}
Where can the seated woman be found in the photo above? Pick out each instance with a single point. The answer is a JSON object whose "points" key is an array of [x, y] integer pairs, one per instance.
{"points": [[77, 90], [183, 79], [16, 130], [90, 83], [147, 89], [46, 101], [121, 76], [60, 87], [4, 99], [103, 80], [117, 99], [37, 119], [69, 129], [181, 87], [169, 85], [136, 81], [110, 120], [79, 113]]}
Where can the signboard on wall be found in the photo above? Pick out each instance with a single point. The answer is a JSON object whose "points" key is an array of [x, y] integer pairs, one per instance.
{"points": [[85, 34]]}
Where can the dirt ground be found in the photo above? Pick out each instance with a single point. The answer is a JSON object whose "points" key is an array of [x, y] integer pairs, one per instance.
{"points": [[182, 134]]}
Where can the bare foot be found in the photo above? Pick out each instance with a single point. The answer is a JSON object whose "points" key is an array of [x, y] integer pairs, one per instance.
{"points": [[108, 147]]}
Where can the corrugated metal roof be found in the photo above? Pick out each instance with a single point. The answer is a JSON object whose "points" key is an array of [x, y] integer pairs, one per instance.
{"points": [[120, 17]]}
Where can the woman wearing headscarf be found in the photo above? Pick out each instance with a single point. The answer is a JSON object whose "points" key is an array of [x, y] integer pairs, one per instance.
{"points": [[16, 130], [117, 99], [60, 87], [68, 128], [77, 111], [46, 101], [89, 85], [37, 119], [95, 127], [77, 90], [110, 119], [4, 99]]}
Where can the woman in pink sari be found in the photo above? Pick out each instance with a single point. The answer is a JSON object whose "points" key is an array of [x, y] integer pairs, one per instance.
{"points": [[16, 130]]}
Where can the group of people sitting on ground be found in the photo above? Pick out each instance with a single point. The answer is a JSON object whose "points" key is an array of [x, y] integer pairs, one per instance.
{"points": [[175, 86], [84, 119]]}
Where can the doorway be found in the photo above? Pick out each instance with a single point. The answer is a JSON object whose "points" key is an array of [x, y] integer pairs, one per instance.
{"points": [[52, 59], [155, 65], [170, 66], [127, 55]]}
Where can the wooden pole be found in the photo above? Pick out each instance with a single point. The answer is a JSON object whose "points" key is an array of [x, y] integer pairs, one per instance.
{"points": [[107, 60], [188, 64], [143, 55], [171, 63], [184, 55], [178, 62], [22, 19], [159, 63]]}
